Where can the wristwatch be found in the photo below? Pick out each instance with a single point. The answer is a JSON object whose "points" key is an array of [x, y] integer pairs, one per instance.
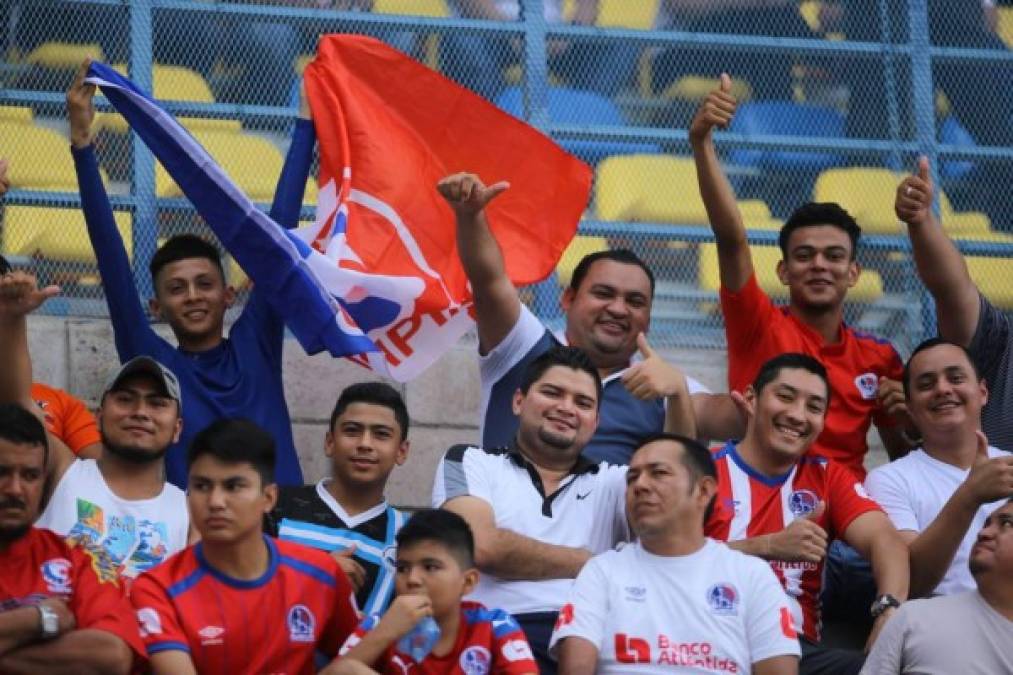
{"points": [[883, 603], [49, 622]]}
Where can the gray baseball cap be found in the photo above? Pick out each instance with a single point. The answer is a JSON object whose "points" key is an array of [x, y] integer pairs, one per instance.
{"points": [[145, 365]]}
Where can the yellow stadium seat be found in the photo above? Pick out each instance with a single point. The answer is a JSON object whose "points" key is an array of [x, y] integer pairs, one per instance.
{"points": [[433, 8], [810, 11], [867, 193], [635, 14], [40, 157], [1005, 27], [64, 54], [992, 277], [16, 113], [253, 163], [696, 87], [171, 83], [55, 233], [765, 258], [661, 189], [580, 246], [962, 223]]}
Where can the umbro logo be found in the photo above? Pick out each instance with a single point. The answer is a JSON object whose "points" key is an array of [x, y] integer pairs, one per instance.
{"points": [[583, 496]]}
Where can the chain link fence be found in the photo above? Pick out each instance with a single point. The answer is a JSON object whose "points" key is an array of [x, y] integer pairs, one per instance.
{"points": [[837, 97]]}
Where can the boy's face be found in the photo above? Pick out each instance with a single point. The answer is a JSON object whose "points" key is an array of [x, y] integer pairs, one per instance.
{"points": [[191, 296], [365, 444], [228, 501], [427, 568], [818, 268]]}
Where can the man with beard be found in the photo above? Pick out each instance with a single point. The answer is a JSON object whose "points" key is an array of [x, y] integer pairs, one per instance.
{"points": [[120, 503], [538, 509], [57, 613], [818, 244]]}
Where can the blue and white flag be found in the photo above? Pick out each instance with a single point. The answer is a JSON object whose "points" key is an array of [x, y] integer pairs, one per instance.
{"points": [[284, 267]]}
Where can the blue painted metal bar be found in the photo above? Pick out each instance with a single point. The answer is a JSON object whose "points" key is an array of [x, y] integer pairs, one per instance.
{"points": [[145, 223]]}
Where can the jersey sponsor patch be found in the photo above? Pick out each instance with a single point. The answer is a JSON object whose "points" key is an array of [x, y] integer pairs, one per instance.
{"points": [[301, 624], [802, 502], [723, 598], [56, 574], [211, 635], [475, 660], [517, 650], [150, 622], [867, 385], [636, 593]]}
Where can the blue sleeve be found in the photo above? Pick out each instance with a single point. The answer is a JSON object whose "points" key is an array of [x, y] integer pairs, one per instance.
{"points": [[131, 329], [263, 322]]}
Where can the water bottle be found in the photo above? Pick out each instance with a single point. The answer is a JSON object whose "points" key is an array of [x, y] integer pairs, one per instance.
{"points": [[420, 640]]}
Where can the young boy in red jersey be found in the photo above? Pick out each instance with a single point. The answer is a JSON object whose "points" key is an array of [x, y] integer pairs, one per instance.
{"points": [[435, 570], [239, 601]]}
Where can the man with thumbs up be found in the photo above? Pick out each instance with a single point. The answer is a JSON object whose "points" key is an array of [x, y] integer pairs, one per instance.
{"points": [[608, 309], [939, 495], [779, 501], [964, 316], [818, 244]]}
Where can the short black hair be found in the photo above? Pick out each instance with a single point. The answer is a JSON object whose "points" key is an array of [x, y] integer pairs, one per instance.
{"points": [[929, 344], [21, 427], [445, 528], [814, 214], [182, 247], [235, 441], [373, 393], [789, 361], [695, 456], [560, 355], [5, 267], [619, 255]]}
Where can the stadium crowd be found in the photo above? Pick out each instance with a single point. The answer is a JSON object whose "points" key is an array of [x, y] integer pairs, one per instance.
{"points": [[613, 516]]}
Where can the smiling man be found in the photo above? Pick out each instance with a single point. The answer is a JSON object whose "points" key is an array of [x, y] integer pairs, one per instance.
{"points": [[120, 504], [970, 632], [819, 245], [675, 600], [538, 509], [939, 495], [608, 313], [780, 502], [239, 601]]}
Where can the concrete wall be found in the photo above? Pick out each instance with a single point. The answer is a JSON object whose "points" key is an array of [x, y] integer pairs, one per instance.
{"points": [[77, 355]]}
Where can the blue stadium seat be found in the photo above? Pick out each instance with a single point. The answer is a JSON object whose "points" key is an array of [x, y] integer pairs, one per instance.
{"points": [[952, 132], [573, 106], [784, 118]]}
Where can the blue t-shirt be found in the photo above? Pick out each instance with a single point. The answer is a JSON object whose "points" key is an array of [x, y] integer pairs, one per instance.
{"points": [[623, 420], [241, 377]]}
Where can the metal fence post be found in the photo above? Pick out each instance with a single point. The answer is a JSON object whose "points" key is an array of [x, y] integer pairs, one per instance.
{"points": [[145, 221]]}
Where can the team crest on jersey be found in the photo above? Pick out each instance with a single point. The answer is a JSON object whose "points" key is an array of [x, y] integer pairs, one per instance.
{"points": [[802, 502], [868, 385], [301, 624], [56, 574], [723, 598], [151, 623], [475, 661], [390, 556], [211, 635], [517, 650], [635, 593]]}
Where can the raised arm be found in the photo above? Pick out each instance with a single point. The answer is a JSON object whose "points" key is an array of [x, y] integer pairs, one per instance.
{"points": [[497, 305], [509, 555], [734, 261], [288, 196], [130, 323], [940, 265]]}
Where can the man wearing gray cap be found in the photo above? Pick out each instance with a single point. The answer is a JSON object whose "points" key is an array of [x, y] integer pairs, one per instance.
{"points": [[120, 504]]}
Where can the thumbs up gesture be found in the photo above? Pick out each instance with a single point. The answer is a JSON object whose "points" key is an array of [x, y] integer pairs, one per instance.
{"points": [[991, 478], [653, 377], [716, 110], [913, 204], [20, 294], [467, 194], [802, 541]]}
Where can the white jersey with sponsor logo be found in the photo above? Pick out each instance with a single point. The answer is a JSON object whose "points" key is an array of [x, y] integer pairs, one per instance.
{"points": [[713, 611]]}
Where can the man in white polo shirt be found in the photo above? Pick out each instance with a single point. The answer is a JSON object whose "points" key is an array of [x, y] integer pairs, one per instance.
{"points": [[538, 509], [675, 599], [939, 495]]}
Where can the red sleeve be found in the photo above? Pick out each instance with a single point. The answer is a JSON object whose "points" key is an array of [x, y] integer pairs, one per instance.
{"points": [[100, 601], [848, 498], [894, 369], [157, 617], [512, 654], [67, 418], [748, 315], [344, 618]]}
